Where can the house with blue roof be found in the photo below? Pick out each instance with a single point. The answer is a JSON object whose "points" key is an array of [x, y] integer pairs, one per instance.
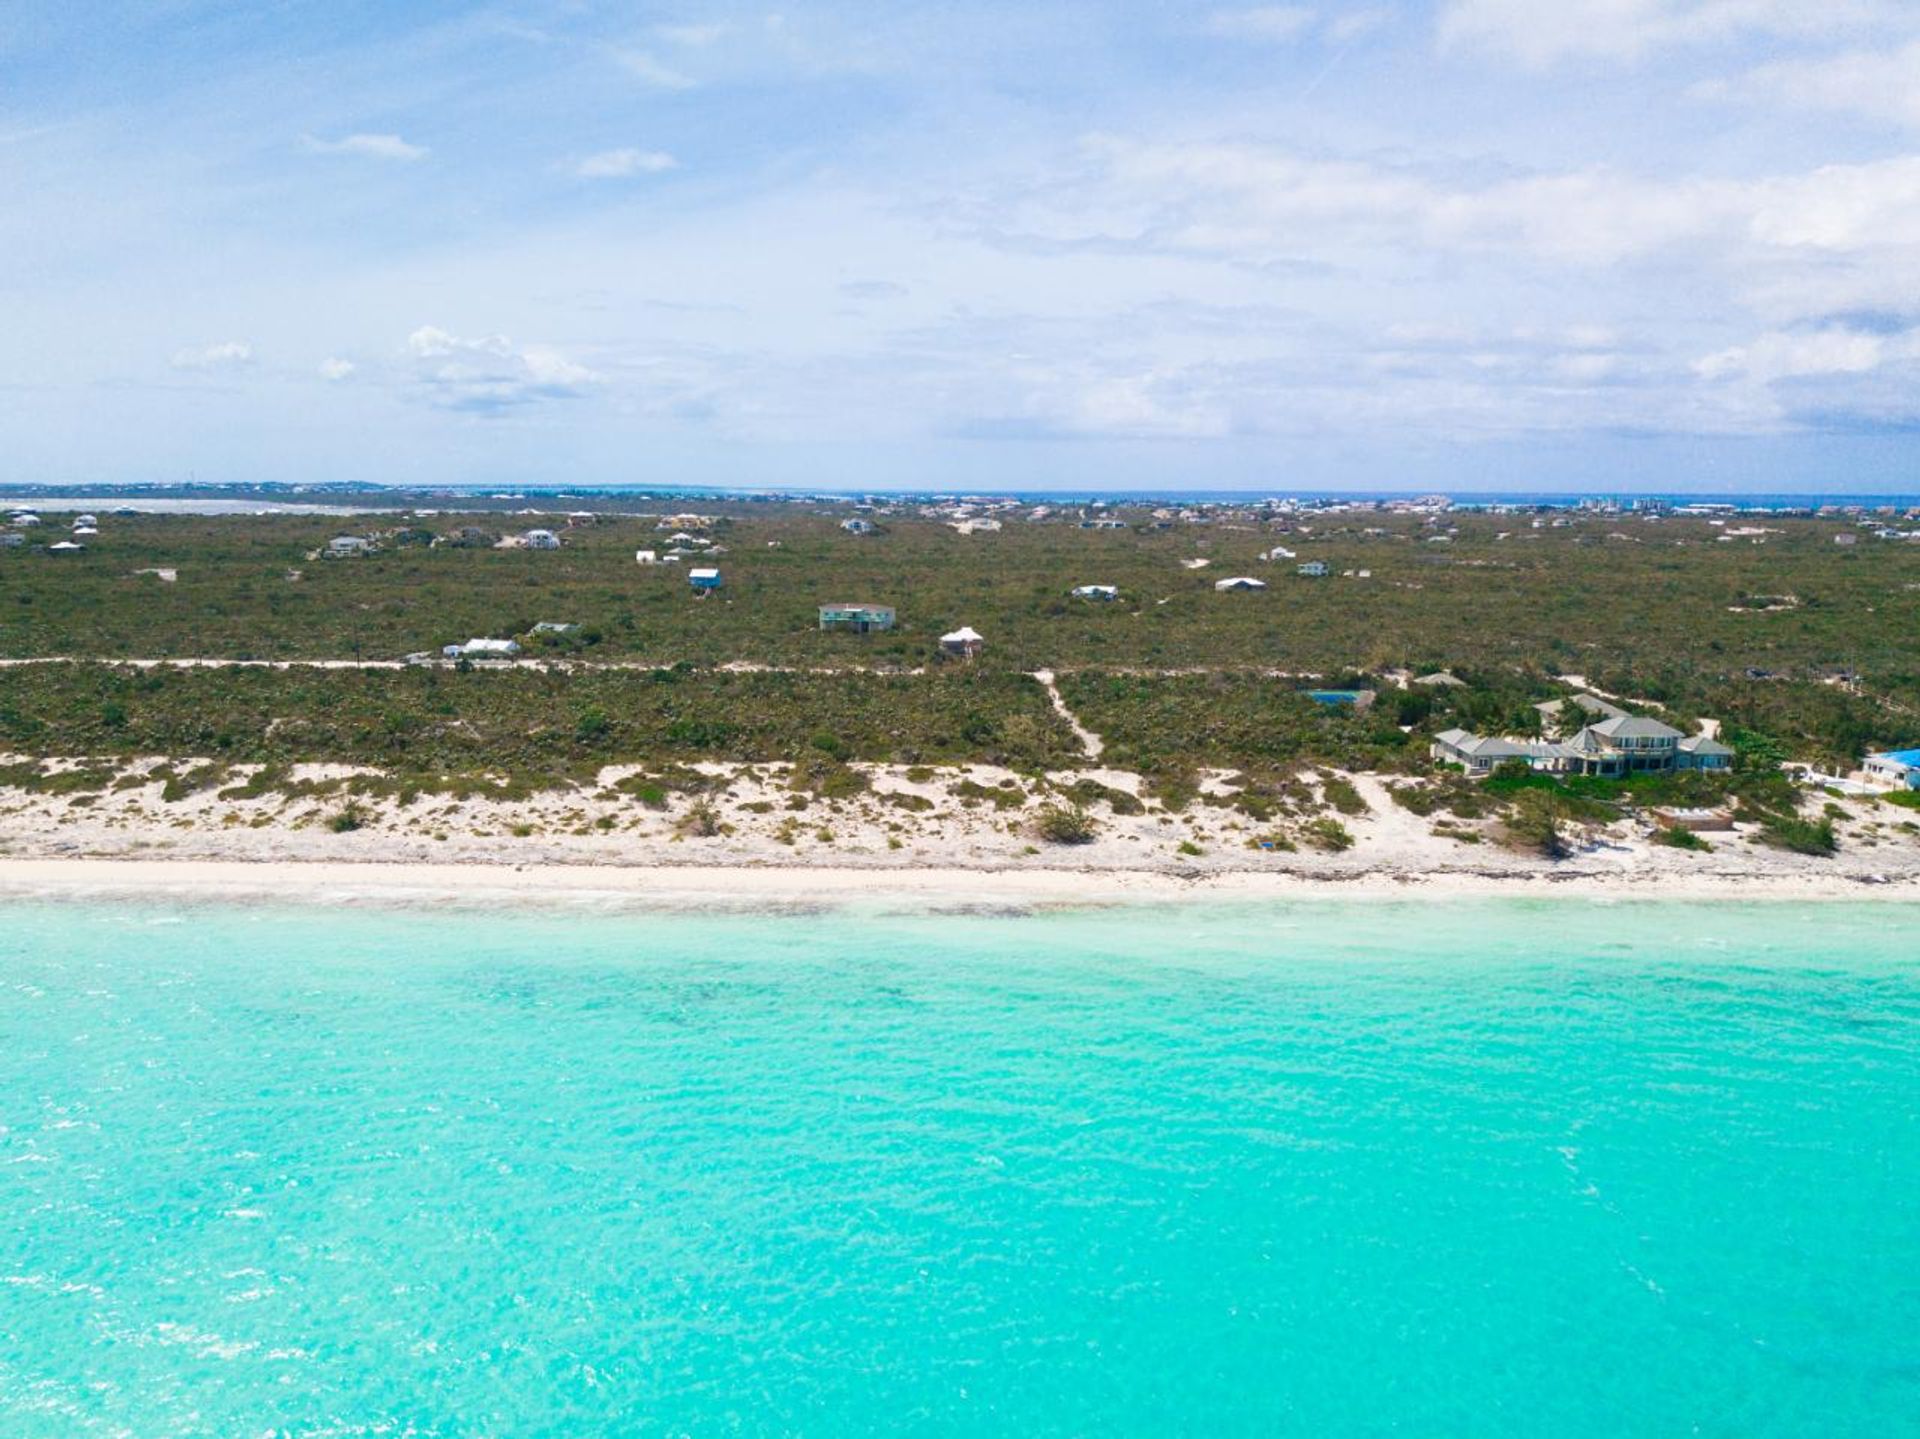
{"points": [[1898, 768]]}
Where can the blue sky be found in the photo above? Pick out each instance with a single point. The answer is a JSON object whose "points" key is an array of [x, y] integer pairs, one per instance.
{"points": [[1585, 244]]}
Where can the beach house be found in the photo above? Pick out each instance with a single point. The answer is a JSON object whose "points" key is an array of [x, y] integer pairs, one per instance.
{"points": [[1313, 569], [861, 619], [342, 547], [540, 540], [1096, 592], [1896, 769], [857, 526], [1239, 582], [704, 578], [1620, 745]]}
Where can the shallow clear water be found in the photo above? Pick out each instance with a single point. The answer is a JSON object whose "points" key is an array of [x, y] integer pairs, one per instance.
{"points": [[1480, 1168]]}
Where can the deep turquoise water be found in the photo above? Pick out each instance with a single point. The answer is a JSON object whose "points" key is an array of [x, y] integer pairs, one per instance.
{"points": [[1473, 1169]]}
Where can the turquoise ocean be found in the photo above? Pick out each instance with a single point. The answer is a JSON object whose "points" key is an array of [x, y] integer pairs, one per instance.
{"points": [[1471, 1168]]}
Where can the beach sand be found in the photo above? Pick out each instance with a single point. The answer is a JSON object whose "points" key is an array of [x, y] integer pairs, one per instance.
{"points": [[949, 837]]}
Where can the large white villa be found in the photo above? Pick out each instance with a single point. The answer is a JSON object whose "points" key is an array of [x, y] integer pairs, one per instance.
{"points": [[1621, 744]]}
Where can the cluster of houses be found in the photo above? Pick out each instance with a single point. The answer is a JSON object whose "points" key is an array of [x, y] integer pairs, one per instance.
{"points": [[84, 528], [1617, 744]]}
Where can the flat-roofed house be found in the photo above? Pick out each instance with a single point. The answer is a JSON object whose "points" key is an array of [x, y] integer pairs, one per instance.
{"points": [[1096, 592], [861, 619], [1898, 768], [483, 649]]}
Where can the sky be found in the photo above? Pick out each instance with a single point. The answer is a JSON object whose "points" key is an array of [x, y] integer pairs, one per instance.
{"points": [[1584, 245]]}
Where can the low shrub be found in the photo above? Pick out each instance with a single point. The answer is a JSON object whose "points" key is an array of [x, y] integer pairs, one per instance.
{"points": [[1064, 824]]}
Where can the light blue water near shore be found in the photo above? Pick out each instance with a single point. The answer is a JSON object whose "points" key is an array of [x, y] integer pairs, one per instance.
{"points": [[1509, 1168]]}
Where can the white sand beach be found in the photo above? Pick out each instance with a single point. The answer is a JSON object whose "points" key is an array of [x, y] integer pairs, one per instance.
{"points": [[961, 836]]}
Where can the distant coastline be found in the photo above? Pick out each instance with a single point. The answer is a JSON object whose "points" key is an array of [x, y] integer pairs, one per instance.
{"points": [[356, 498]]}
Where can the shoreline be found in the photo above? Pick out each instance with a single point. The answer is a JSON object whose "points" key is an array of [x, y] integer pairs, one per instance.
{"points": [[738, 888]]}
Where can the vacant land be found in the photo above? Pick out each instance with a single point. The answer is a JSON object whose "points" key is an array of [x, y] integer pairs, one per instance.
{"points": [[1798, 646]]}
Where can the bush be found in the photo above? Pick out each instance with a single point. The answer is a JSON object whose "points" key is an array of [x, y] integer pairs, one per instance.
{"points": [[1343, 796], [1535, 823], [700, 822], [1064, 824], [1681, 839], [346, 820], [1327, 833], [1802, 836]]}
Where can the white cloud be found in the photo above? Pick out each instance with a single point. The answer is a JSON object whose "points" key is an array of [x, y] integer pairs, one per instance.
{"points": [[1259, 204], [1539, 33], [1879, 84], [1274, 24], [375, 147], [644, 66], [623, 164], [490, 375], [1784, 356], [226, 355], [333, 368]]}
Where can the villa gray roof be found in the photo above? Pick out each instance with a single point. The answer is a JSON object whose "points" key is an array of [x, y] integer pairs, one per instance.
{"points": [[1700, 744], [1594, 705], [1488, 747], [1634, 727]]}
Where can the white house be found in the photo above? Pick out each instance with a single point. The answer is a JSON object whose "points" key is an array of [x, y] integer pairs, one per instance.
{"points": [[1096, 592], [540, 540], [857, 526], [1899, 769], [80, 521], [1240, 582], [1313, 569], [965, 641], [345, 546], [81, 531], [483, 649], [65, 547], [645, 557], [1276, 554]]}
